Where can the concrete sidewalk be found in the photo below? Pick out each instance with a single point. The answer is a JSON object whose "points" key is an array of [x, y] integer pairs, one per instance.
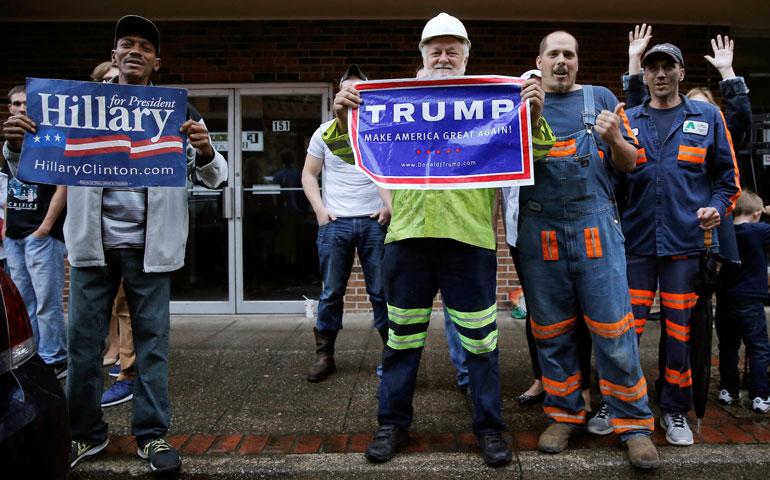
{"points": [[242, 408]]}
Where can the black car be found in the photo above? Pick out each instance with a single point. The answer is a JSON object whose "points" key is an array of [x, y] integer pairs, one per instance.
{"points": [[34, 426]]}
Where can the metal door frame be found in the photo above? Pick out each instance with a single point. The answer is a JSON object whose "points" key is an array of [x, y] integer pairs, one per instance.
{"points": [[233, 196]]}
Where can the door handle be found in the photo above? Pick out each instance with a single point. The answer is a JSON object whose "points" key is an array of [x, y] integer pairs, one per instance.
{"points": [[238, 201], [227, 204]]}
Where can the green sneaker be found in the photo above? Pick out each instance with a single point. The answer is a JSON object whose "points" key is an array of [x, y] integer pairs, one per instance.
{"points": [[162, 456], [80, 450]]}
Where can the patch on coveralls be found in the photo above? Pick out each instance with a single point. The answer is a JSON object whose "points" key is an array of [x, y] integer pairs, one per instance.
{"points": [[534, 206], [698, 128]]}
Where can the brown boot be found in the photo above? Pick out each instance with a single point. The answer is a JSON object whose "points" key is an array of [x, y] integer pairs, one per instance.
{"points": [[324, 360], [555, 438], [642, 452]]}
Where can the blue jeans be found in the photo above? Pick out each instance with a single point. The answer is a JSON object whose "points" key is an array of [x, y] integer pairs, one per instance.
{"points": [[456, 352], [742, 318], [337, 244], [37, 268], [93, 290]]}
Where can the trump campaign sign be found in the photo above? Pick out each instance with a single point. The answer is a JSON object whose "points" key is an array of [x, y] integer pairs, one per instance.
{"points": [[449, 133], [104, 134]]}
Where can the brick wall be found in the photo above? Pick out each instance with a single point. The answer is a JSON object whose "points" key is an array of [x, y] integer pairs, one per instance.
{"points": [[318, 51], [311, 51]]}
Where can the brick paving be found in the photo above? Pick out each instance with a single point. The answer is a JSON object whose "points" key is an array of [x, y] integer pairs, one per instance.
{"points": [[265, 444]]}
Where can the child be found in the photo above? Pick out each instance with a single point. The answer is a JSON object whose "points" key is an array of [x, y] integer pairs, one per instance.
{"points": [[740, 307]]}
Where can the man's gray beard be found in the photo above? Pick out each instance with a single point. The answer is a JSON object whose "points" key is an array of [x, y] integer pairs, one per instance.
{"points": [[432, 73]]}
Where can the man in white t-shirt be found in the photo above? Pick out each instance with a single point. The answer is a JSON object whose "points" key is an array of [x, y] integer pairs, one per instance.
{"points": [[353, 215]]}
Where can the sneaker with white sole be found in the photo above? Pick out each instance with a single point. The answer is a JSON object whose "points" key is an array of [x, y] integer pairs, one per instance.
{"points": [[60, 369], [761, 405], [677, 430], [80, 450], [120, 391], [727, 398], [114, 371], [600, 424], [162, 456]]}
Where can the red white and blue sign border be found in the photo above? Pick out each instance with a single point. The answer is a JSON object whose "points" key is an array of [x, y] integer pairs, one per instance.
{"points": [[507, 179]]}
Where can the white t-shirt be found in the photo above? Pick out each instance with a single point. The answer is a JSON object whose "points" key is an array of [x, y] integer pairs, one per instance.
{"points": [[346, 191], [511, 214]]}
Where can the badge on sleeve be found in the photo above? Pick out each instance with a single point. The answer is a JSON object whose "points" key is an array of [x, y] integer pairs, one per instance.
{"points": [[698, 128]]}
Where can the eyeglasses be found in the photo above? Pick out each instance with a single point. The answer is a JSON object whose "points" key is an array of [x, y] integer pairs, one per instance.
{"points": [[107, 79]]}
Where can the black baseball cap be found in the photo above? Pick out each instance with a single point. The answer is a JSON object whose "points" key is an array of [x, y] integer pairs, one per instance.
{"points": [[666, 49], [353, 71], [136, 25]]}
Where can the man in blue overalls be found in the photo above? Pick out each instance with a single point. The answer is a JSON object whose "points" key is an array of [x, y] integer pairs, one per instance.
{"points": [[571, 248]]}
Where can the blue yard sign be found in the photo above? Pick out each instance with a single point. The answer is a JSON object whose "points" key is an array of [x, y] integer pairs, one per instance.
{"points": [[462, 132], [104, 134]]}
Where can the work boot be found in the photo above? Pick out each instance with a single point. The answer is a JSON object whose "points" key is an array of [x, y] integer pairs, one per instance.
{"points": [[324, 359], [383, 334], [642, 452], [555, 438], [496, 452], [386, 441]]}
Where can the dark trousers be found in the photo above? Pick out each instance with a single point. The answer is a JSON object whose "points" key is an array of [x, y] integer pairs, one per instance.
{"points": [[737, 319], [415, 270], [92, 290]]}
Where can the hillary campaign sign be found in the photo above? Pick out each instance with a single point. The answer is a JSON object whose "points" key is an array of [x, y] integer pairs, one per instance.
{"points": [[104, 134], [462, 132]]}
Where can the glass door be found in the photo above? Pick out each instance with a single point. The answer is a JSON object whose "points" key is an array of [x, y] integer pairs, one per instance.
{"points": [[275, 227], [251, 245]]}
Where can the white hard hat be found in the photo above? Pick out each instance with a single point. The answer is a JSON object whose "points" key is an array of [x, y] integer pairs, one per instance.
{"points": [[441, 25]]}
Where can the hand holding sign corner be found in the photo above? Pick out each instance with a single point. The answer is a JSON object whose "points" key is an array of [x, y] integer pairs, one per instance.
{"points": [[347, 98], [532, 91], [14, 129]]}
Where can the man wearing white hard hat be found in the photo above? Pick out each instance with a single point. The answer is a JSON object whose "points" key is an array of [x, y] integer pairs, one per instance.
{"points": [[440, 239]]}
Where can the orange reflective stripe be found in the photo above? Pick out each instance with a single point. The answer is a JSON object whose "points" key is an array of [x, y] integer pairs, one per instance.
{"points": [[610, 330], [641, 297], [641, 156], [601, 154], [678, 257], [621, 425], [733, 198], [563, 149], [691, 154], [593, 243], [554, 330], [683, 379], [563, 416], [550, 246], [627, 394], [627, 126], [639, 324], [678, 301], [562, 389], [679, 332]]}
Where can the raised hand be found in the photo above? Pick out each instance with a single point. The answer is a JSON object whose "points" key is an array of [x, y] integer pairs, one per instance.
{"points": [[723, 56], [638, 39]]}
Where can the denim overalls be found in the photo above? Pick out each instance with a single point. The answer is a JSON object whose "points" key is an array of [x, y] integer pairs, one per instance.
{"points": [[571, 247]]}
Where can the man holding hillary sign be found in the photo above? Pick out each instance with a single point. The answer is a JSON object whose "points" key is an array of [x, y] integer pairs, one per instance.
{"points": [[117, 145]]}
